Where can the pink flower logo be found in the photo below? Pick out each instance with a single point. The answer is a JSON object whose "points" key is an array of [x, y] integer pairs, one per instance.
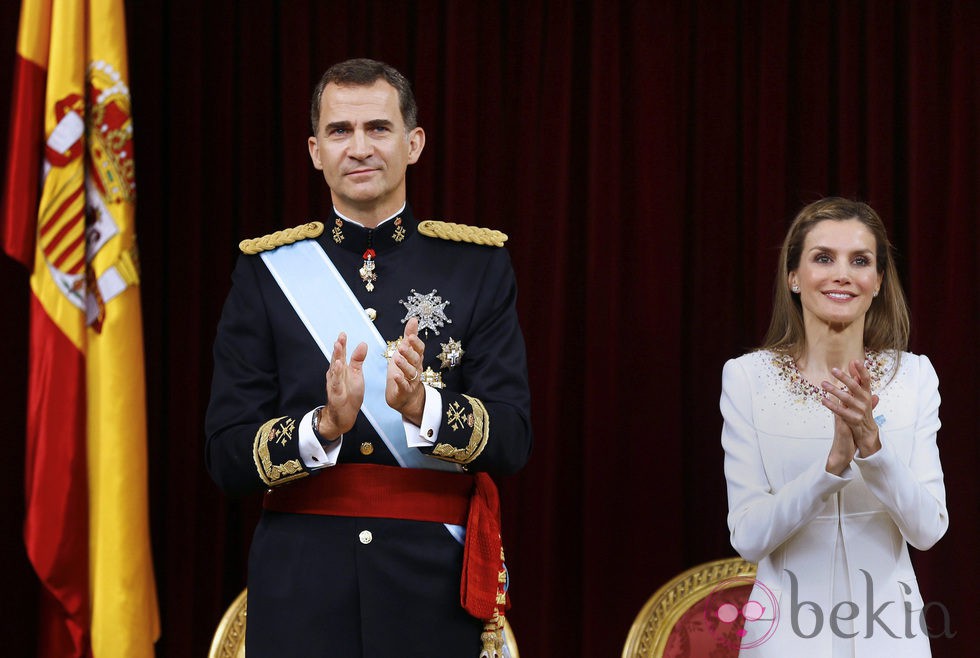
{"points": [[724, 613]]}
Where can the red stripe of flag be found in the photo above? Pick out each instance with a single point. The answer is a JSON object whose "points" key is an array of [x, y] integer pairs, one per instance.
{"points": [[26, 144], [56, 479]]}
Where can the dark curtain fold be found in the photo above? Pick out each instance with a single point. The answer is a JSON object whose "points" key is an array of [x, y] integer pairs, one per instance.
{"points": [[645, 159]]}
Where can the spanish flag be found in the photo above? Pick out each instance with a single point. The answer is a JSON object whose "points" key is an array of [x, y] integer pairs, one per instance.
{"points": [[68, 216]]}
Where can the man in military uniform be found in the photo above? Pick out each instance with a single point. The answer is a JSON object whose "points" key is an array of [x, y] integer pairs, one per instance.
{"points": [[380, 530]]}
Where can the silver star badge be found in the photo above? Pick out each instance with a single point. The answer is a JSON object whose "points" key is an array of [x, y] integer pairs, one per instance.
{"points": [[429, 309]]}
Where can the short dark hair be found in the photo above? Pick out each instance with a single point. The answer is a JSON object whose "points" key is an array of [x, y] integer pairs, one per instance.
{"points": [[362, 72]]}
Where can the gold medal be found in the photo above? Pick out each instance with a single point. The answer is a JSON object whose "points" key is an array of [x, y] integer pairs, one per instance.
{"points": [[399, 233], [451, 354], [432, 378], [367, 270], [391, 347]]}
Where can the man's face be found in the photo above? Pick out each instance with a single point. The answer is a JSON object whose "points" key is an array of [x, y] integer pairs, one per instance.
{"points": [[363, 149]]}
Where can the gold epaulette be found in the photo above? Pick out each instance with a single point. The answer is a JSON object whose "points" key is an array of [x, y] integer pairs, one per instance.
{"points": [[280, 238], [462, 233]]}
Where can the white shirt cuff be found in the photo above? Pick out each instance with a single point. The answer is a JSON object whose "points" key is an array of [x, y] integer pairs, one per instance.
{"points": [[311, 451], [426, 435]]}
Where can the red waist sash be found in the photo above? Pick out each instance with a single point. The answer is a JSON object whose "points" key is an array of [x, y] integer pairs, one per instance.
{"points": [[375, 491]]}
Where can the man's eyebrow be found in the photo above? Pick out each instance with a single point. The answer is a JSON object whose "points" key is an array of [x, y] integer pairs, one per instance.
{"points": [[379, 123], [346, 125]]}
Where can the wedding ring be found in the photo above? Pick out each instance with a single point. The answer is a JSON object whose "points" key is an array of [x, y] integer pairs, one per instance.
{"points": [[417, 372]]}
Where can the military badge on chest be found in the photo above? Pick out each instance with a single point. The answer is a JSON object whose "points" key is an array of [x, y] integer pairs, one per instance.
{"points": [[367, 273], [451, 354], [430, 309], [395, 231]]}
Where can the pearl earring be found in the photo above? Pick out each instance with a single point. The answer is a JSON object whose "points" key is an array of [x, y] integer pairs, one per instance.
{"points": [[796, 288], [875, 294]]}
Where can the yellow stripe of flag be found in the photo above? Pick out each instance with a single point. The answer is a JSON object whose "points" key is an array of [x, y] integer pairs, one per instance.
{"points": [[124, 607]]}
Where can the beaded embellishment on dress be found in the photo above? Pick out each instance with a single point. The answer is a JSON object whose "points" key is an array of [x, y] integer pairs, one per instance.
{"points": [[803, 390]]}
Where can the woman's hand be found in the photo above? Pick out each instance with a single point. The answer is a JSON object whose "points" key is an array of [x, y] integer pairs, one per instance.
{"points": [[852, 408], [842, 449]]}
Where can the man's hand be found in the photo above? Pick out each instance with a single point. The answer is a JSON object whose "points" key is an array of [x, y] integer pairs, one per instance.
{"points": [[403, 389], [344, 389]]}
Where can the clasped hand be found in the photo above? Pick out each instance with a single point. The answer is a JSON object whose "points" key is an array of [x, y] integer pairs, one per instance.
{"points": [[344, 386], [855, 429]]}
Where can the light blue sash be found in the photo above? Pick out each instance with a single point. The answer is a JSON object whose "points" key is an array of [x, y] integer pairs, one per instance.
{"points": [[326, 306]]}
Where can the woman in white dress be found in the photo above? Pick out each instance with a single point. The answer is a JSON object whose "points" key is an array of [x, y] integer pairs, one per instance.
{"points": [[830, 449]]}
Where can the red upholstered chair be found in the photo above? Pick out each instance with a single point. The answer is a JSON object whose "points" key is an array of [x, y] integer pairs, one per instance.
{"points": [[681, 619], [229, 639]]}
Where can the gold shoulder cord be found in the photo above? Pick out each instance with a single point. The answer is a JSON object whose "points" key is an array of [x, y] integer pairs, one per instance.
{"points": [[281, 238], [462, 233]]}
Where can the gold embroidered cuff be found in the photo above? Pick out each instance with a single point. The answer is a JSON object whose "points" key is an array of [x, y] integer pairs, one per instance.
{"points": [[275, 436], [459, 417]]}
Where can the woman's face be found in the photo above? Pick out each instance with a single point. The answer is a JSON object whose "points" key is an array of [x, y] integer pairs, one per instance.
{"points": [[838, 273]]}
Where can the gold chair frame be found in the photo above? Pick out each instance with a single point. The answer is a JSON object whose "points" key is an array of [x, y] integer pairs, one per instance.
{"points": [[229, 639], [651, 628]]}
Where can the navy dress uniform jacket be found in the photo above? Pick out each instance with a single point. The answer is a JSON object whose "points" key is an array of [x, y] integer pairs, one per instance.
{"points": [[341, 586]]}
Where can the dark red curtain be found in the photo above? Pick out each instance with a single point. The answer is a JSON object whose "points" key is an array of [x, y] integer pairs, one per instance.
{"points": [[645, 158]]}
